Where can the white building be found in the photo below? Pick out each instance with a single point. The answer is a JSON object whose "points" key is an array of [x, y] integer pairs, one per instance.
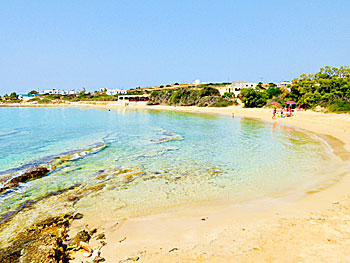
{"points": [[283, 84], [57, 91], [236, 87], [196, 82], [115, 91], [51, 91]]}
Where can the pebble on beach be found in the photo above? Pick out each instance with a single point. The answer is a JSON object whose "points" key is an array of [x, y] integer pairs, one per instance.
{"points": [[85, 246], [87, 254]]}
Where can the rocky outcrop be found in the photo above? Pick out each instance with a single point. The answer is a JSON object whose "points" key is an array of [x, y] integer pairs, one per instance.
{"points": [[12, 180], [47, 241], [47, 249], [42, 242], [82, 235]]}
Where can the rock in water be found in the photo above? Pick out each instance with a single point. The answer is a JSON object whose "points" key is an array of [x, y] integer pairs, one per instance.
{"points": [[24, 177]]}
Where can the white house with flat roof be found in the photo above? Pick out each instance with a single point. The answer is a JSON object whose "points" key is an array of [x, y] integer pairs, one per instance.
{"points": [[51, 91], [115, 91], [58, 92], [236, 87]]}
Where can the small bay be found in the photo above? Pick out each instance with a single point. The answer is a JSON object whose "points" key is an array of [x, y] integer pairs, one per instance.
{"points": [[148, 161]]}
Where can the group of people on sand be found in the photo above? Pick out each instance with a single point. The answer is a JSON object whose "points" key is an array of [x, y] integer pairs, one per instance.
{"points": [[284, 112]]}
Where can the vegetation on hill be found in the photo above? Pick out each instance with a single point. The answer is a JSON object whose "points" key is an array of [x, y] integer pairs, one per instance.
{"points": [[33, 92], [12, 98], [202, 97], [328, 88]]}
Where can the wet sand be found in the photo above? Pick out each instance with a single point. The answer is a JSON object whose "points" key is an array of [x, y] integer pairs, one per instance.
{"points": [[314, 228]]}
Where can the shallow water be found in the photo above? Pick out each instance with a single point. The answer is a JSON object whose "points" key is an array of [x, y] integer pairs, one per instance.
{"points": [[150, 161]]}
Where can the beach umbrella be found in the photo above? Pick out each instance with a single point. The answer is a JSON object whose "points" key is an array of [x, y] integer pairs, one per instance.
{"points": [[290, 102], [275, 103]]}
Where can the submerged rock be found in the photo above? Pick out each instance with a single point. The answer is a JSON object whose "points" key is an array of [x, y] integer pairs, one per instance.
{"points": [[101, 176], [72, 198]]}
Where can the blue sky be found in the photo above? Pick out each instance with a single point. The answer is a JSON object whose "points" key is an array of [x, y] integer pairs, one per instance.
{"points": [[123, 44]]}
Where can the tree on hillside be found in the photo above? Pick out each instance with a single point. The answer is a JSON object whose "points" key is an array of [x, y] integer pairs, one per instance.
{"points": [[253, 98], [33, 92], [135, 92], [209, 91], [273, 92], [260, 86], [323, 87], [82, 92], [13, 96]]}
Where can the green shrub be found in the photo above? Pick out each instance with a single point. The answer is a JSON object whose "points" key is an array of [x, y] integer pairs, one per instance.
{"points": [[135, 92], [53, 96], [44, 101], [228, 95], [338, 106], [34, 99], [253, 98], [208, 91], [222, 103], [273, 92]]}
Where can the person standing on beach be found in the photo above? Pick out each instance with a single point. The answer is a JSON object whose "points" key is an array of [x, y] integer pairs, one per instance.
{"points": [[274, 113]]}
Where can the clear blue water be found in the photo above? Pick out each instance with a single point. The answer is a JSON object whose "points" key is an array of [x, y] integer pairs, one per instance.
{"points": [[152, 160]]}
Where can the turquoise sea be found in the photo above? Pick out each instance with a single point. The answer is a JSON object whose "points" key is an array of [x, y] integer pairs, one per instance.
{"points": [[123, 162]]}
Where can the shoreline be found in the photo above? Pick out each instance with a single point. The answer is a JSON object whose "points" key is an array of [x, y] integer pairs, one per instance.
{"points": [[221, 234], [192, 238]]}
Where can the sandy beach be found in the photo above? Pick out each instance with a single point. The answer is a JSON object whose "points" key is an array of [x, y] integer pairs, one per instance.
{"points": [[314, 228], [101, 161]]}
